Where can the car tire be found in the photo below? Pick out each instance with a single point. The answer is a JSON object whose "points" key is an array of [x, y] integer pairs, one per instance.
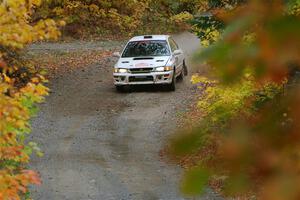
{"points": [[185, 69], [181, 75], [120, 88], [172, 85]]}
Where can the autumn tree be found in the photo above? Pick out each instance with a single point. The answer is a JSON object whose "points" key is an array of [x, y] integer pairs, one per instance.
{"points": [[21, 87], [119, 17], [248, 138]]}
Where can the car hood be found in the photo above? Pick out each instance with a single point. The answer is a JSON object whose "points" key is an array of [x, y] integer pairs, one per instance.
{"points": [[142, 62]]}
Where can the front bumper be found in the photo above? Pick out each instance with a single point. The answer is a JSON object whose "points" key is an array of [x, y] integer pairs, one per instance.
{"points": [[143, 79]]}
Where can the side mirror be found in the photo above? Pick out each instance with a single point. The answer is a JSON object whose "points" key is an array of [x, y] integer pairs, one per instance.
{"points": [[116, 54], [177, 52]]}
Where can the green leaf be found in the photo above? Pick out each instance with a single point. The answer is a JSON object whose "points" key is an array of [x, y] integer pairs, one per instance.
{"points": [[195, 181]]}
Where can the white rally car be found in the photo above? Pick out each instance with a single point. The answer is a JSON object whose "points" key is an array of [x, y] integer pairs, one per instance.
{"points": [[151, 59]]}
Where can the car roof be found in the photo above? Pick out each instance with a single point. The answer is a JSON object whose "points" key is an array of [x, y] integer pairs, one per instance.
{"points": [[149, 37]]}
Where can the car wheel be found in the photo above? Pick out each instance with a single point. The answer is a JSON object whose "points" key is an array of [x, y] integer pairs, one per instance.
{"points": [[185, 69], [172, 85], [120, 88], [181, 76]]}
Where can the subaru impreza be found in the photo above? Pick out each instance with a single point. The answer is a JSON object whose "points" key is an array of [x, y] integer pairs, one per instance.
{"points": [[150, 59]]}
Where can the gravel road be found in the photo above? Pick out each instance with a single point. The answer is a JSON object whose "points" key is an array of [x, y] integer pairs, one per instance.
{"points": [[104, 145]]}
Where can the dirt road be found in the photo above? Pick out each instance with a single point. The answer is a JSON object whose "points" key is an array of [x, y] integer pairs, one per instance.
{"points": [[104, 145]]}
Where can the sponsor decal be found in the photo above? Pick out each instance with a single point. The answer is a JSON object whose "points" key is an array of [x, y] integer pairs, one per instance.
{"points": [[142, 65]]}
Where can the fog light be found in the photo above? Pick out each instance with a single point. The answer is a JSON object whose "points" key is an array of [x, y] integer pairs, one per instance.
{"points": [[168, 68]]}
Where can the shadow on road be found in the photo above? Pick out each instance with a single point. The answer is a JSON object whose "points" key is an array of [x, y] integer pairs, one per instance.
{"points": [[150, 88], [145, 88]]}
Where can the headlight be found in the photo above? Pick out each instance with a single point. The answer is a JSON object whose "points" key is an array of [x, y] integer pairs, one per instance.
{"points": [[120, 70], [159, 69], [163, 69]]}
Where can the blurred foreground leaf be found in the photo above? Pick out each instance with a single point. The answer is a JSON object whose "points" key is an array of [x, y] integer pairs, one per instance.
{"points": [[195, 181]]}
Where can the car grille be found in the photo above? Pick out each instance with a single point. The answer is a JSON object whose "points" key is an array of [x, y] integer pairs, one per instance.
{"points": [[140, 78], [140, 70]]}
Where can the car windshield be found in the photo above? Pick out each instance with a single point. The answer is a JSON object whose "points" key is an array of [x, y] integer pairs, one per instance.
{"points": [[146, 48]]}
